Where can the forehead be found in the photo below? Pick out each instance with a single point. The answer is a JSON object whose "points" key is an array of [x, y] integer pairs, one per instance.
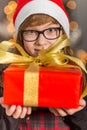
{"points": [[38, 19], [43, 26]]}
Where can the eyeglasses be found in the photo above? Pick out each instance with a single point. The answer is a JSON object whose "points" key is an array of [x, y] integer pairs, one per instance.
{"points": [[33, 35]]}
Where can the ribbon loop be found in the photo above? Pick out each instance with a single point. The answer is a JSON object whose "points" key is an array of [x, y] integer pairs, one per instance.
{"points": [[52, 56]]}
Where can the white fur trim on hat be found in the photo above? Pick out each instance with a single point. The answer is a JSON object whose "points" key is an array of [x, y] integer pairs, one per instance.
{"points": [[47, 7]]}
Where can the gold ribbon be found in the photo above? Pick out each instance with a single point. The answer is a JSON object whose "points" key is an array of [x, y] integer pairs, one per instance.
{"points": [[31, 84], [49, 57], [53, 56]]}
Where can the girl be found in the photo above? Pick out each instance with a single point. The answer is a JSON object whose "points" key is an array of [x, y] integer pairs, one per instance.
{"points": [[39, 23]]}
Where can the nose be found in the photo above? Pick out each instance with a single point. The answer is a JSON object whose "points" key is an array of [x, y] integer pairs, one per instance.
{"points": [[41, 40]]}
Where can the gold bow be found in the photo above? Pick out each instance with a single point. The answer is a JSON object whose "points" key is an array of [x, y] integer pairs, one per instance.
{"points": [[52, 56]]}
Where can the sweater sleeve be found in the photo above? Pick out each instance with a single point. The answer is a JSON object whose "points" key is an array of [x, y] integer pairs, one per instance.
{"points": [[8, 122], [78, 121]]}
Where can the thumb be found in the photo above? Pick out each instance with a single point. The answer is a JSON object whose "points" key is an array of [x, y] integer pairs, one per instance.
{"points": [[1, 100], [82, 103]]}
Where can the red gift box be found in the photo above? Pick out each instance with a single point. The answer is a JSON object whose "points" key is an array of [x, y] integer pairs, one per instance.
{"points": [[47, 87]]}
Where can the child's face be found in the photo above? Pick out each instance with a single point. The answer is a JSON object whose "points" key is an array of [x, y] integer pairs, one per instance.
{"points": [[33, 43]]}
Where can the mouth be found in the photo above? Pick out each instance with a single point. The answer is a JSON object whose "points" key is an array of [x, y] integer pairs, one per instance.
{"points": [[37, 51]]}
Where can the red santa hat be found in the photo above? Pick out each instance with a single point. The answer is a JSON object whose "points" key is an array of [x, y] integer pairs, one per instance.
{"points": [[53, 8]]}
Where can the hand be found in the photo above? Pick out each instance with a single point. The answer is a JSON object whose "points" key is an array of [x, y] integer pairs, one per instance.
{"points": [[1, 100], [16, 111], [64, 111]]}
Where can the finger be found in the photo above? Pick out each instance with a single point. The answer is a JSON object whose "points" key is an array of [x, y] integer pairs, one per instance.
{"points": [[10, 110], [24, 112], [1, 100], [17, 112], [2, 103], [29, 110], [54, 111], [72, 111], [82, 104], [5, 106], [62, 112]]}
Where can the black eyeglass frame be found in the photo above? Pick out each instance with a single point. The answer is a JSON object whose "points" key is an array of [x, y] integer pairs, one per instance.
{"points": [[40, 32]]}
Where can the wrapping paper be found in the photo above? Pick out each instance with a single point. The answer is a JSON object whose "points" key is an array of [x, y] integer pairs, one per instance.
{"points": [[42, 86]]}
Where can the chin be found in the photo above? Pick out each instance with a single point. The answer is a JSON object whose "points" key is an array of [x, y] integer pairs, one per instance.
{"points": [[34, 55]]}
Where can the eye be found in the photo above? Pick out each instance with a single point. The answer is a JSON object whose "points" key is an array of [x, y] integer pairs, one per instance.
{"points": [[31, 32], [51, 30]]}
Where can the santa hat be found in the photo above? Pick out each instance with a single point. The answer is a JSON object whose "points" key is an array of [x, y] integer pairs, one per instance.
{"points": [[53, 8]]}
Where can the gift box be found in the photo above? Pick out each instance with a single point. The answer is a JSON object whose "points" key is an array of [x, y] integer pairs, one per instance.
{"points": [[42, 86]]}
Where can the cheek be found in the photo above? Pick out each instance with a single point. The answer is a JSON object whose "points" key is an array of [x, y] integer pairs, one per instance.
{"points": [[27, 46], [50, 43]]}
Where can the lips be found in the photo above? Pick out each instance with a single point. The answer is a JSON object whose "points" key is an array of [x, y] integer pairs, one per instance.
{"points": [[38, 48], [36, 51]]}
